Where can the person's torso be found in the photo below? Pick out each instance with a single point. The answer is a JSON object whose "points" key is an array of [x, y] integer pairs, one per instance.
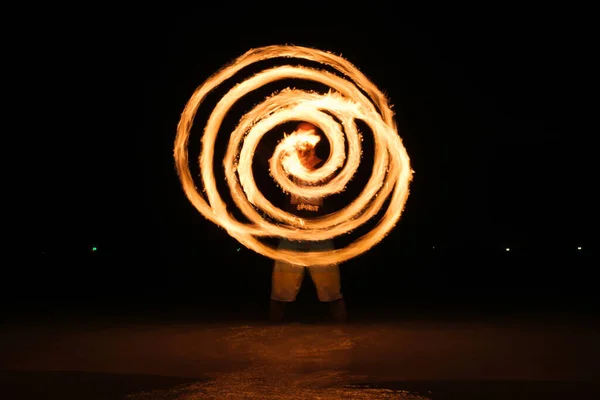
{"points": [[306, 207]]}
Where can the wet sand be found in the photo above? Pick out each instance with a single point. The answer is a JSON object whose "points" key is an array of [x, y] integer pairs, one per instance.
{"points": [[502, 358]]}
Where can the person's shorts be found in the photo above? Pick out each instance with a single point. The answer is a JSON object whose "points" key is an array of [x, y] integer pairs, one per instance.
{"points": [[287, 278]]}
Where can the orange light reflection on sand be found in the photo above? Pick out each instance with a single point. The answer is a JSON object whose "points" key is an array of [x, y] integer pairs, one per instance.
{"points": [[391, 173]]}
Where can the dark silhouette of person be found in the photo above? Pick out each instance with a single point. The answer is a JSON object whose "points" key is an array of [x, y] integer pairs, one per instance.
{"points": [[287, 278]]}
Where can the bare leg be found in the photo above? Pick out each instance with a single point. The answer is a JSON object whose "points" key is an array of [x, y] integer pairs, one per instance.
{"points": [[328, 285], [276, 310], [286, 282], [338, 310]]}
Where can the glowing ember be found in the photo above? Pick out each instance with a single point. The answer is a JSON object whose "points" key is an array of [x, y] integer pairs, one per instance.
{"points": [[391, 174]]}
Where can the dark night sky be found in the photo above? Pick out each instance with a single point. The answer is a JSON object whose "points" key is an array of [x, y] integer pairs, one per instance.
{"points": [[489, 113], [492, 111]]}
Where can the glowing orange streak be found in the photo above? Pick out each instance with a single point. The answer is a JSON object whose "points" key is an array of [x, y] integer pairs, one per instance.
{"points": [[338, 183], [287, 153], [389, 154], [333, 133]]}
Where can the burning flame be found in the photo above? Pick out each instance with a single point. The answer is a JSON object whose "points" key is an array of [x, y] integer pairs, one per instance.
{"points": [[391, 174], [300, 140]]}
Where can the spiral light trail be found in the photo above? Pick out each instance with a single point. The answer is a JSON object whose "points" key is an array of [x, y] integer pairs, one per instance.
{"points": [[390, 177]]}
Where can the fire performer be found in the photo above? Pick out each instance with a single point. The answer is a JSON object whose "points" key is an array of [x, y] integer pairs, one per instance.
{"points": [[287, 278]]}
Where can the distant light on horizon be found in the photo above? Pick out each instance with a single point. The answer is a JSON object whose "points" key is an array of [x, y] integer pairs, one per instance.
{"points": [[239, 249]]}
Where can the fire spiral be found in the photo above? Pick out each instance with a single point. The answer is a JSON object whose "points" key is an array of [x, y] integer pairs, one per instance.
{"points": [[390, 177]]}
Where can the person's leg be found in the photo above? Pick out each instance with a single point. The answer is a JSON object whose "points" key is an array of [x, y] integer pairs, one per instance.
{"points": [[338, 310], [276, 310], [286, 282], [328, 285]]}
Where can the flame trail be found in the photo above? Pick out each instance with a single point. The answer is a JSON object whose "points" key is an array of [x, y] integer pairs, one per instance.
{"points": [[390, 177]]}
